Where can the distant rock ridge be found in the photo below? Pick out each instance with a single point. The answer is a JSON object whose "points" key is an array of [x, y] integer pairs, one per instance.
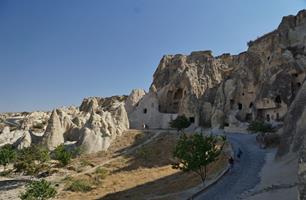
{"points": [[92, 126]]}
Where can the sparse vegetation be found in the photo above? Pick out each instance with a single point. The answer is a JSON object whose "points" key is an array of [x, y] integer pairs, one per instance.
{"points": [[7, 155], [260, 126], [180, 123], [196, 152], [64, 155], [100, 174], [38, 190], [32, 160], [84, 163], [144, 153], [79, 185]]}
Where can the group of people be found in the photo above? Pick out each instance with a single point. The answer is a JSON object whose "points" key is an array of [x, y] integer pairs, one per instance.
{"points": [[231, 160]]}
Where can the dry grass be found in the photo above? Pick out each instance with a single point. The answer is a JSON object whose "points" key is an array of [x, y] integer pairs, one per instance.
{"points": [[146, 173]]}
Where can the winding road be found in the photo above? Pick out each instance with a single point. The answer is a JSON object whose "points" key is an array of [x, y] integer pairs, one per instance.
{"points": [[245, 174]]}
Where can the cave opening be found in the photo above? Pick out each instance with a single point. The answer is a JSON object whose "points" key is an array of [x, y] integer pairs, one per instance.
{"points": [[240, 106], [278, 99], [298, 84], [178, 94], [268, 117]]}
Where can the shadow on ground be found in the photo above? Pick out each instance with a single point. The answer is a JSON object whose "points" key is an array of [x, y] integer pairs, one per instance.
{"points": [[173, 183], [157, 153], [11, 184]]}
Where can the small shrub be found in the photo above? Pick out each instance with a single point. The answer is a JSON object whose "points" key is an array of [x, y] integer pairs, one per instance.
{"points": [[68, 178], [102, 172], [62, 155], [144, 153], [7, 155], [99, 175], [32, 160], [260, 126], [38, 190], [80, 185], [180, 123], [84, 163]]}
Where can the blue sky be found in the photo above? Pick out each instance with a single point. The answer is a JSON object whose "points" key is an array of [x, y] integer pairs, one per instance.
{"points": [[56, 52]]}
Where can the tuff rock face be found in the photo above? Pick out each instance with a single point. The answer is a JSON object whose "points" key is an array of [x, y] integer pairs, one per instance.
{"points": [[100, 129], [93, 126], [132, 100], [231, 90], [54, 134]]}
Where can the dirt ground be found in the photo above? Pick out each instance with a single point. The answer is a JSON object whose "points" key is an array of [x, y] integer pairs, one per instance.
{"points": [[141, 175]]}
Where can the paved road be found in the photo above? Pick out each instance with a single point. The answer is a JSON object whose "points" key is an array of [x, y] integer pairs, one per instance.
{"points": [[244, 175]]}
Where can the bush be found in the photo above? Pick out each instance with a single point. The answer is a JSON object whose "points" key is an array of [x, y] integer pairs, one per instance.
{"points": [[32, 160], [80, 185], [180, 123], [100, 174], [260, 126], [64, 155], [39, 190], [7, 155]]}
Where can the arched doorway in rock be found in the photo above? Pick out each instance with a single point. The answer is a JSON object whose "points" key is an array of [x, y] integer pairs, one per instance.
{"points": [[178, 94], [278, 99], [268, 117], [240, 106]]}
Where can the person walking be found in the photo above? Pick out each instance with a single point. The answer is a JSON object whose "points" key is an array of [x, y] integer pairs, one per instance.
{"points": [[239, 153], [231, 163]]}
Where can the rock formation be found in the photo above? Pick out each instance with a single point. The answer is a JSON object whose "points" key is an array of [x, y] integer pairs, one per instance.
{"points": [[54, 134], [230, 90]]}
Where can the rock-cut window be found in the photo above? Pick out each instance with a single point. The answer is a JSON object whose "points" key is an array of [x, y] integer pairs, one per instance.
{"points": [[145, 111]]}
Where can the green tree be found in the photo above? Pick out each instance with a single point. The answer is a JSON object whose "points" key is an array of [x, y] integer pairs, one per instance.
{"points": [[180, 123], [7, 155], [38, 190], [196, 152], [32, 160]]}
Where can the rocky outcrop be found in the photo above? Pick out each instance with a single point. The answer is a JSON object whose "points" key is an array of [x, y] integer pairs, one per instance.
{"points": [[54, 134], [24, 142], [146, 114], [103, 127], [230, 90], [180, 80], [133, 99]]}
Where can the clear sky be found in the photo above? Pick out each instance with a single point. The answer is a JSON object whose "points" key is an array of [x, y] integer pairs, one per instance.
{"points": [[56, 52]]}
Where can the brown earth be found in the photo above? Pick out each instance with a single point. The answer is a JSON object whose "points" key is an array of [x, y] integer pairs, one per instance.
{"points": [[140, 175]]}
